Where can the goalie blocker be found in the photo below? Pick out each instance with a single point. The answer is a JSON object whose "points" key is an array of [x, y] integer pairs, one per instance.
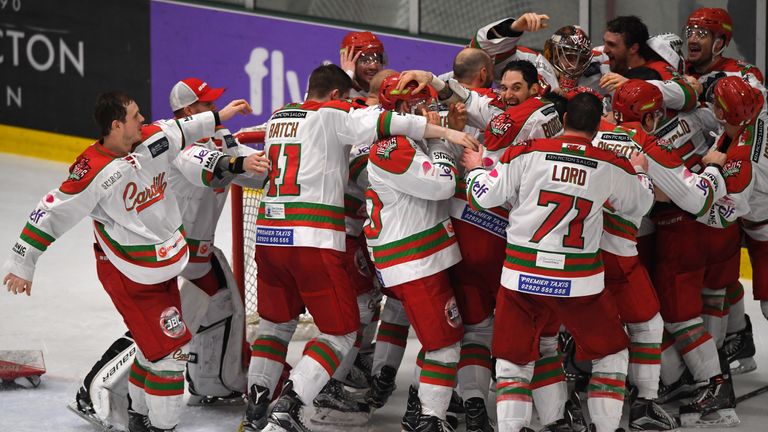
{"points": [[214, 368]]}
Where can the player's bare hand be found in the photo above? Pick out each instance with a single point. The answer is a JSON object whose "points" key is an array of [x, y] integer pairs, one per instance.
{"points": [[472, 158], [611, 81], [348, 59], [237, 106], [639, 161], [694, 82], [609, 117], [432, 117], [457, 116], [257, 163], [462, 138], [421, 77], [17, 285], [714, 157], [530, 22]]}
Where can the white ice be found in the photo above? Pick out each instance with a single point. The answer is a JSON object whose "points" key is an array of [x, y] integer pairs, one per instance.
{"points": [[71, 319]]}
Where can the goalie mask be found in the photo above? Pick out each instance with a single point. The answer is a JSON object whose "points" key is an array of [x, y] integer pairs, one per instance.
{"points": [[570, 52], [389, 96]]}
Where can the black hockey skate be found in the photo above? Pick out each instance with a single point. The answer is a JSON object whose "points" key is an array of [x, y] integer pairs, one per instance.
{"points": [[335, 407], [234, 398], [256, 412], [647, 415], [138, 422], [358, 378], [739, 347], [412, 410], [683, 388], [574, 415], [455, 410], [154, 429], [476, 415], [713, 405], [558, 426], [382, 387], [593, 428], [286, 415], [432, 424]]}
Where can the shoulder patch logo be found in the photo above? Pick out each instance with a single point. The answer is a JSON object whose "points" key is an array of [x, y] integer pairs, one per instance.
{"points": [[500, 124], [385, 148], [79, 169], [731, 168]]}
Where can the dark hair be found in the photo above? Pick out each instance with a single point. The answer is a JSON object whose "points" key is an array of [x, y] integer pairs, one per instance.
{"points": [[643, 73], [110, 106], [469, 61], [526, 68], [633, 31], [327, 78], [584, 113], [559, 101]]}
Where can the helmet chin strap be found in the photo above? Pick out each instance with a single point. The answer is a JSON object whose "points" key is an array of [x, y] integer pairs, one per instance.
{"points": [[715, 54]]}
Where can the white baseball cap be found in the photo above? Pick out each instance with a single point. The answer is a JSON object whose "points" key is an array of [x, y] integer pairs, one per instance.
{"points": [[191, 90]]}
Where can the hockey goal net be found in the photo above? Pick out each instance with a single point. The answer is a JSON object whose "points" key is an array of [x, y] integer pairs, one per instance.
{"points": [[245, 207]]}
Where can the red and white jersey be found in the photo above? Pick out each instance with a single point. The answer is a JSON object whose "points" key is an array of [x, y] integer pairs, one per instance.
{"points": [[409, 231], [505, 49], [354, 192], [308, 145], [746, 177], [689, 134], [201, 207], [728, 67], [693, 193], [135, 215], [557, 188]]}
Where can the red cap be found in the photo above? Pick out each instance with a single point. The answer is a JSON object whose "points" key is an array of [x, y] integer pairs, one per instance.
{"points": [[191, 90]]}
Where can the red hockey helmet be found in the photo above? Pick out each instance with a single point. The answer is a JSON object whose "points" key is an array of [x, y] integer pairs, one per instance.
{"points": [[738, 100], [366, 42], [636, 98], [581, 89], [389, 95], [716, 20]]}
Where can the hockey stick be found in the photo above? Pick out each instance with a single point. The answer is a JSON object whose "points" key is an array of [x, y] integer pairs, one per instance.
{"points": [[753, 393]]}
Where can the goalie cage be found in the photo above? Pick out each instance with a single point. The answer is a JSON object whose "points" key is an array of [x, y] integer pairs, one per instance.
{"points": [[245, 207]]}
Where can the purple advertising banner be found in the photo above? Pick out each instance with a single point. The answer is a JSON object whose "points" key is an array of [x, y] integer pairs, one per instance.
{"points": [[264, 60]]}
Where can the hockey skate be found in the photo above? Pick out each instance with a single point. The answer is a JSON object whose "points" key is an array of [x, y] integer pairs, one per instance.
{"points": [[574, 415], [455, 410], [359, 377], [593, 428], [138, 422], [256, 412], [286, 415], [382, 387], [683, 388], [558, 426], [412, 410], [334, 406], [83, 408], [428, 423], [713, 405], [234, 398], [647, 415], [476, 415], [740, 349]]}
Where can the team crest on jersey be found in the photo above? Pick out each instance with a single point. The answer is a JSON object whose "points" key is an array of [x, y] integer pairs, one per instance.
{"points": [[452, 314], [576, 149], [384, 149], [500, 124], [79, 169], [171, 323], [666, 144], [731, 168]]}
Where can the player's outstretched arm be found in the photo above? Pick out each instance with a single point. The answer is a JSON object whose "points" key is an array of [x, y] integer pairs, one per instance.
{"points": [[17, 285], [237, 106], [456, 137]]}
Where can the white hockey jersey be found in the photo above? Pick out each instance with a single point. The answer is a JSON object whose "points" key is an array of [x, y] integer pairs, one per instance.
{"points": [[693, 193], [308, 146], [409, 231], [689, 133], [136, 217], [557, 188]]}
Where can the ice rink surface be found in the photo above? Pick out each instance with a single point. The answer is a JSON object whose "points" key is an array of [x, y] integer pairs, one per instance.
{"points": [[71, 319]]}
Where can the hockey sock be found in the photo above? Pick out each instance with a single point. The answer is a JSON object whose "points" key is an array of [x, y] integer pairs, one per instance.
{"points": [[369, 330], [735, 297], [550, 391], [437, 380], [418, 367], [319, 364], [605, 393], [392, 336], [514, 403], [268, 353], [645, 356], [672, 366], [366, 310], [164, 388], [349, 360], [208, 283], [715, 314], [474, 370], [136, 382], [697, 347]]}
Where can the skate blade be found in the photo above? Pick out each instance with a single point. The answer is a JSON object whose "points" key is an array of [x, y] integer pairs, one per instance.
{"points": [[93, 420], [742, 366], [721, 418], [215, 401], [337, 418]]}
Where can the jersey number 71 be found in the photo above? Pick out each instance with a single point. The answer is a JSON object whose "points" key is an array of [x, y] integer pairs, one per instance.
{"points": [[563, 204]]}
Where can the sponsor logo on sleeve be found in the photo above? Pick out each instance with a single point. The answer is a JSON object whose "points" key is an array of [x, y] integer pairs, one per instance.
{"points": [[20, 249], [171, 323], [158, 147], [106, 184], [479, 189], [36, 215]]}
